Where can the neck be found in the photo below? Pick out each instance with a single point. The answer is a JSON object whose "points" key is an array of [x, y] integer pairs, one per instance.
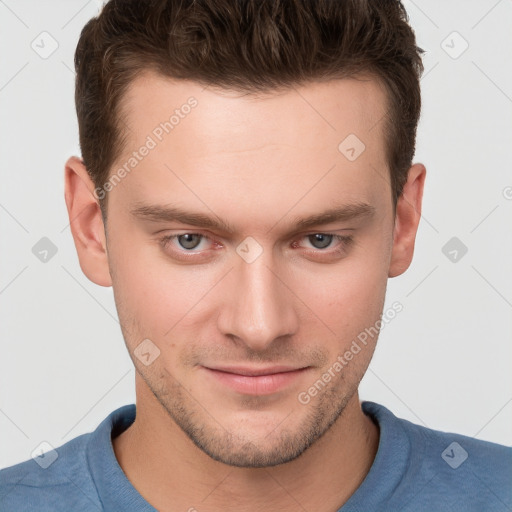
{"points": [[171, 473]]}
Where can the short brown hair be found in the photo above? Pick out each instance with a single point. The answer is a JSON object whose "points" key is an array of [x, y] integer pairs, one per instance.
{"points": [[249, 46]]}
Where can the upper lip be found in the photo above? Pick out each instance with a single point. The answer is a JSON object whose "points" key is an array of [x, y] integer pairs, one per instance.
{"points": [[254, 372]]}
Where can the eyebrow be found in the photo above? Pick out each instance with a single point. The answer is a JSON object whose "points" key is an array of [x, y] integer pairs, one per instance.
{"points": [[161, 213], [338, 214]]}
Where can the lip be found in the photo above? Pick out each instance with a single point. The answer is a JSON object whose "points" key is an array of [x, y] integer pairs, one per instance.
{"points": [[256, 381]]}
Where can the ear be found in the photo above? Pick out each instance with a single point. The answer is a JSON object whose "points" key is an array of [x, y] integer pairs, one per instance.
{"points": [[86, 222], [407, 218]]}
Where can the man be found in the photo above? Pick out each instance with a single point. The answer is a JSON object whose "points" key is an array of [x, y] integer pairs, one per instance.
{"points": [[247, 188]]}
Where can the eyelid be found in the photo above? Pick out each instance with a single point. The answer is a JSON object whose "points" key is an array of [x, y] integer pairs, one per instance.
{"points": [[165, 240], [344, 240], [292, 236]]}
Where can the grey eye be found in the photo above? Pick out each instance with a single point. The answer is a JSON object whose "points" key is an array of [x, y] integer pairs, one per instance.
{"points": [[320, 240], [189, 240]]}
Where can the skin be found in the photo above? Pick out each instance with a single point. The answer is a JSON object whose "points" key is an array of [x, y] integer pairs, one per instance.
{"points": [[259, 163]]}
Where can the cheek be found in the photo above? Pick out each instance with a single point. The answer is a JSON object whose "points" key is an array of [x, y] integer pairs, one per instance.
{"points": [[158, 297], [351, 290], [164, 299], [348, 298]]}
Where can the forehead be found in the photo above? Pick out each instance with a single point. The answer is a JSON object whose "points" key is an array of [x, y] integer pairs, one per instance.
{"points": [[293, 141], [333, 108]]}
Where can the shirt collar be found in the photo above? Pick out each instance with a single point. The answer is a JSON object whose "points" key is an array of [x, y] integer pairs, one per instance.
{"points": [[117, 493], [114, 489]]}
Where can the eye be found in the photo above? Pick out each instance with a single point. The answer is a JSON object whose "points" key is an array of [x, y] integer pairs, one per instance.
{"points": [[320, 240], [184, 241], [324, 240], [197, 247], [189, 240]]}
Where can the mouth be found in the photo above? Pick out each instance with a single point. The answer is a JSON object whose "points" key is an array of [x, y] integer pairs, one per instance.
{"points": [[255, 381]]}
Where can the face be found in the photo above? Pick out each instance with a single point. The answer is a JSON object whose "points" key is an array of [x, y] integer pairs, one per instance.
{"points": [[251, 252]]}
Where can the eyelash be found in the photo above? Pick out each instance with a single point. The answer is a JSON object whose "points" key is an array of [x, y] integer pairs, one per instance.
{"points": [[345, 242]]}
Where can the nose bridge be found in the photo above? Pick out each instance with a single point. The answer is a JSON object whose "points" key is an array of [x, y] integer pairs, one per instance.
{"points": [[260, 308]]}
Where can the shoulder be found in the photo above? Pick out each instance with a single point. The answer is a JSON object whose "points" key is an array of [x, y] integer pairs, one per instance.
{"points": [[58, 480], [451, 471], [467, 473], [72, 476]]}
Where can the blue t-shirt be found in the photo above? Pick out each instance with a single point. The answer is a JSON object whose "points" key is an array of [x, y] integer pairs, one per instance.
{"points": [[416, 469]]}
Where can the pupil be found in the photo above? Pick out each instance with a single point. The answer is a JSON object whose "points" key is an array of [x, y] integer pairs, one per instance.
{"points": [[189, 240], [320, 241]]}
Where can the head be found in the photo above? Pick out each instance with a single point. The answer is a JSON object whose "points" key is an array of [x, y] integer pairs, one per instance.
{"points": [[247, 188]]}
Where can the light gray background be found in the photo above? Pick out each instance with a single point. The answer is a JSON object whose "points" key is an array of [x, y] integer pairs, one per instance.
{"points": [[444, 361]]}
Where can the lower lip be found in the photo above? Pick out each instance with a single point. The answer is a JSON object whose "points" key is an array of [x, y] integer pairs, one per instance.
{"points": [[258, 384]]}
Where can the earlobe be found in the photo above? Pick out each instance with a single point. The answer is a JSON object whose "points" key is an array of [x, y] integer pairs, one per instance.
{"points": [[86, 222], [408, 214]]}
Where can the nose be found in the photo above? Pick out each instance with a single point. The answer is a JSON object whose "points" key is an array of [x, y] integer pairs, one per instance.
{"points": [[259, 307]]}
